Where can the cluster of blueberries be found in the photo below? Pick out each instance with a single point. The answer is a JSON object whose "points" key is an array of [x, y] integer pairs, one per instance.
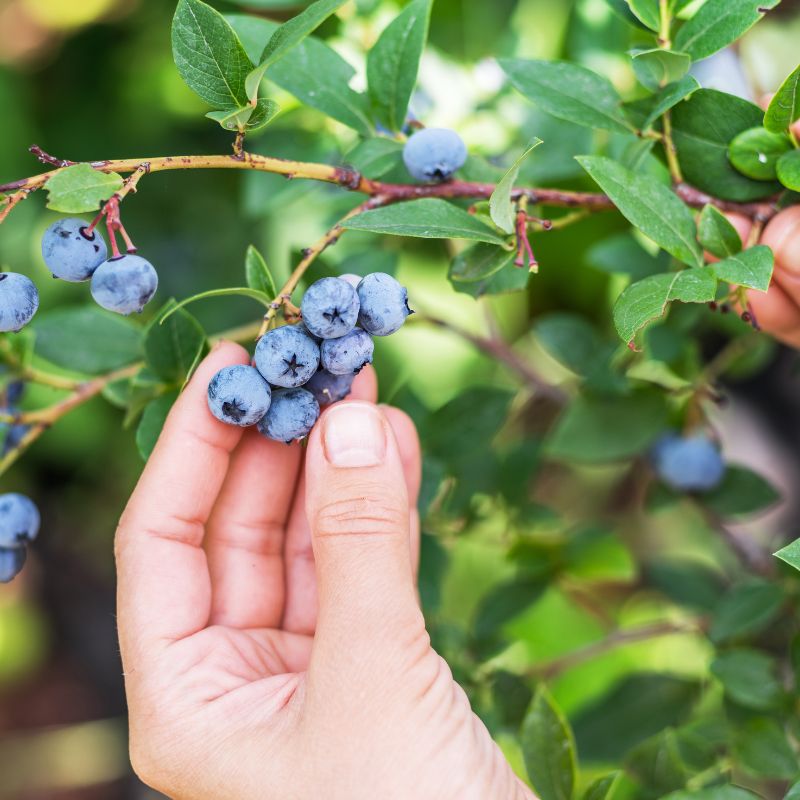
{"points": [[688, 463], [298, 368], [19, 524]]}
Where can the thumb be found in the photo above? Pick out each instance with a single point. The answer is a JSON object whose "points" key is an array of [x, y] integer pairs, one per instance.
{"points": [[357, 508]]}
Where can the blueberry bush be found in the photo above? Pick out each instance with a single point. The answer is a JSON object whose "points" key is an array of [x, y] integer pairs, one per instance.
{"points": [[594, 564]]}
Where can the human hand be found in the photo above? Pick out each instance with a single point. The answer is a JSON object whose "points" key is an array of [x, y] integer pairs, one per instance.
{"points": [[270, 630]]}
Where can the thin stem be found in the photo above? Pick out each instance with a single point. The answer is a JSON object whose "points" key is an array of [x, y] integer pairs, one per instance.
{"points": [[12, 200], [664, 39], [670, 150]]}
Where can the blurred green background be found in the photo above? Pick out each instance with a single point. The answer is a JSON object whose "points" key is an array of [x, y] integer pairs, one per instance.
{"points": [[90, 79]]}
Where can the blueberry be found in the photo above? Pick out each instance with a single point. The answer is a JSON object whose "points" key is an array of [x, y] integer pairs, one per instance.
{"points": [[14, 391], [19, 520], [70, 253], [328, 388], [351, 278], [287, 356], [330, 308], [124, 284], [291, 416], [384, 304], [12, 559], [688, 464], [348, 354], [19, 301], [434, 154], [239, 395]]}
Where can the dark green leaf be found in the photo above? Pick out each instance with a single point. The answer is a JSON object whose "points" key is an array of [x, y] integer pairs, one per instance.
{"points": [[714, 793], [755, 153], [549, 749], [717, 234], [429, 218], [87, 339], [784, 108], [622, 254], [788, 170], [749, 678], [393, 61], [171, 349], [571, 340], [687, 583], [751, 268], [602, 788], [746, 610], [504, 602], [657, 68], [762, 748], [742, 493], [257, 273], [376, 156], [152, 422], [718, 23], [80, 188], [479, 262], [569, 91], [649, 205], [500, 206], [657, 765], [669, 97]]}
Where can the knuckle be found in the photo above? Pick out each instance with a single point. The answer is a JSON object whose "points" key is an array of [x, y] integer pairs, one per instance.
{"points": [[365, 514]]}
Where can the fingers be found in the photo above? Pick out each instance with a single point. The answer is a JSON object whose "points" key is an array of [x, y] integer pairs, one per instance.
{"points": [[163, 583]]}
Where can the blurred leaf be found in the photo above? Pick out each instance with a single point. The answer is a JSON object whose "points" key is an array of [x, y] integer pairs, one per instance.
{"points": [[648, 12], [659, 374], [602, 788], [751, 268], [376, 156], [623, 10], [669, 97], [762, 748], [784, 108], [549, 749], [686, 583], [649, 206], [286, 37], [749, 678], [429, 218], [393, 61], [80, 188], [257, 273], [788, 170], [502, 603], [717, 234], [657, 68], [714, 793], [793, 793], [741, 494], [790, 554], [152, 422], [718, 23], [434, 560], [755, 153], [209, 56], [657, 765], [622, 254], [647, 300], [479, 262], [512, 696], [501, 207], [570, 339], [87, 339], [569, 91], [241, 291], [703, 128], [636, 708], [171, 349], [508, 278], [601, 429], [746, 610]]}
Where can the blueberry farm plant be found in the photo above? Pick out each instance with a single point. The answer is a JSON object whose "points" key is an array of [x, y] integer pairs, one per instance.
{"points": [[628, 637]]}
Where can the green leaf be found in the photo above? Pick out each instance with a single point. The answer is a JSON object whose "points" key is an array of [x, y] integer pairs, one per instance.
{"points": [[703, 128], [572, 340], [80, 188], [762, 748], [87, 339], [501, 208], [241, 291], [717, 234], [602, 788], [687, 583], [749, 677], [789, 170], [714, 793], [263, 113], [657, 766], [623, 10], [790, 554], [569, 91], [742, 493], [376, 156], [209, 56], [622, 254], [718, 23], [648, 12], [755, 153], [502, 603], [549, 749], [751, 268], [479, 262], [508, 278], [784, 108], [258, 275], [393, 62], [602, 429], [746, 610], [669, 97], [428, 218], [152, 422], [793, 793], [647, 300], [287, 36], [657, 68], [649, 206], [171, 349]]}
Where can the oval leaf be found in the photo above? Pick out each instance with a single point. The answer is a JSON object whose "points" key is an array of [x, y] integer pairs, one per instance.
{"points": [[784, 108], [500, 205], [171, 349], [717, 234], [657, 67], [789, 170], [755, 153], [80, 188], [751, 268], [258, 275]]}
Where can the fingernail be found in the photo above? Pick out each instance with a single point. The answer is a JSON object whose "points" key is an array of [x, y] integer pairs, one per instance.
{"points": [[354, 435]]}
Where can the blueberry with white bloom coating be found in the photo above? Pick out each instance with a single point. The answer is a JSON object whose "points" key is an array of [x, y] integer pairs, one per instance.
{"points": [[287, 356], [351, 278], [238, 395], [328, 388], [291, 416], [688, 464], [384, 304], [70, 252], [19, 301], [19, 520], [330, 308], [12, 559], [434, 154], [348, 354], [124, 284]]}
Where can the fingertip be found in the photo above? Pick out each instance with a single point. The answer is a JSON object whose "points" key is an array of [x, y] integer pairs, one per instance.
{"points": [[405, 432], [365, 385], [782, 234]]}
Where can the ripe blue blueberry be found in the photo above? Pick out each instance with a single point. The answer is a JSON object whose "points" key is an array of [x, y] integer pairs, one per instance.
{"points": [[19, 520], [351, 278], [291, 416], [434, 154], [12, 559], [287, 356], [70, 253], [330, 308], [348, 354], [328, 388], [690, 464], [384, 304], [19, 301], [124, 284], [239, 395]]}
